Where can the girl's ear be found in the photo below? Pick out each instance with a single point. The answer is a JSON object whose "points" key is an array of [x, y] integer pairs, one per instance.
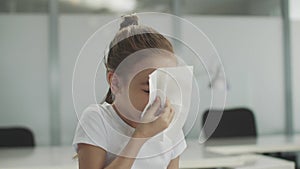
{"points": [[113, 81]]}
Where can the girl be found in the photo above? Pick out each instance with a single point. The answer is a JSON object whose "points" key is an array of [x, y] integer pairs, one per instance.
{"points": [[111, 135]]}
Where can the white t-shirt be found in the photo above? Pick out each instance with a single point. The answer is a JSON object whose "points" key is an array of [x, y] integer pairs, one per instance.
{"points": [[100, 125]]}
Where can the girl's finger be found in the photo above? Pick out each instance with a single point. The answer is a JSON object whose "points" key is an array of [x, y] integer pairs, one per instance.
{"points": [[171, 116], [154, 107], [166, 112], [168, 104]]}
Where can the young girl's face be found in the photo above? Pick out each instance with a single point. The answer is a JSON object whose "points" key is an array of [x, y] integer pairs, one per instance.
{"points": [[134, 94]]}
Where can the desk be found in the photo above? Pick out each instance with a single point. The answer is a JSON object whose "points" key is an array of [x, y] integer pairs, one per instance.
{"points": [[263, 144], [38, 158], [265, 162], [195, 156]]}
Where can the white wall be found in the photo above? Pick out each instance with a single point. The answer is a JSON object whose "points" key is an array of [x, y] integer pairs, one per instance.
{"points": [[294, 6], [24, 73], [295, 38], [294, 9]]}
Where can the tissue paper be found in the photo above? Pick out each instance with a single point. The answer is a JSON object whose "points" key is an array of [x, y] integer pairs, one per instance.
{"points": [[174, 83]]}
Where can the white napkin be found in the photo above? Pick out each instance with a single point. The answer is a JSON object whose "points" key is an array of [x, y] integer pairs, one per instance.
{"points": [[174, 83]]}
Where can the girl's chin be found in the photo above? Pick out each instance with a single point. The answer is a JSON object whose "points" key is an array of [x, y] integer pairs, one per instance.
{"points": [[134, 117]]}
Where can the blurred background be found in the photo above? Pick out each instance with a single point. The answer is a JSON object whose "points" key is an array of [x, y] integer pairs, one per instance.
{"points": [[257, 40]]}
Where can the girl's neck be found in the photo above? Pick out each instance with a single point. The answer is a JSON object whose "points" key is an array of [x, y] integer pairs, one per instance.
{"points": [[127, 121]]}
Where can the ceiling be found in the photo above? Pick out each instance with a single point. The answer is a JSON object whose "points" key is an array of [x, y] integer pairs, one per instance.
{"points": [[203, 7]]}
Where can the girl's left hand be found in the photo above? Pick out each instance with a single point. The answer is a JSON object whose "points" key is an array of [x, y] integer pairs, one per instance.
{"points": [[155, 124]]}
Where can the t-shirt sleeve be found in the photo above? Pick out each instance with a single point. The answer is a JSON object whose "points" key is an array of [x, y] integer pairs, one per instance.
{"points": [[91, 128], [179, 147]]}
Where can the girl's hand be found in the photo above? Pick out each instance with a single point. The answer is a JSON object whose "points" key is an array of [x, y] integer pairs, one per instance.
{"points": [[153, 124]]}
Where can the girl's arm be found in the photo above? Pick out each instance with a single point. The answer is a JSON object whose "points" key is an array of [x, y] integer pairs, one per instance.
{"points": [[92, 157], [174, 164]]}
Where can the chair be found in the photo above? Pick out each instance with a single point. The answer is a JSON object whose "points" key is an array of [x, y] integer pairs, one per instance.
{"points": [[238, 122], [16, 137]]}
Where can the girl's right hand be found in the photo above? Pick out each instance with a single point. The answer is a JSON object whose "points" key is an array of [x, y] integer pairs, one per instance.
{"points": [[153, 124]]}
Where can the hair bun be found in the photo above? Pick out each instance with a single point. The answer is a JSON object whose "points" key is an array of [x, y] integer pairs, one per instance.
{"points": [[128, 20]]}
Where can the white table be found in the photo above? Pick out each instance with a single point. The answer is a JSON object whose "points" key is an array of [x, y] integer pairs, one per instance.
{"points": [[265, 162], [194, 156], [263, 144], [38, 158]]}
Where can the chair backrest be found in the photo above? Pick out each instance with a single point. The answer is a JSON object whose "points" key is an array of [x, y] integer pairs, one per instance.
{"points": [[16, 137], [238, 122]]}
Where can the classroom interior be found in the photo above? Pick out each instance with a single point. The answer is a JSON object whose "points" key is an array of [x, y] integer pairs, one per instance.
{"points": [[255, 42]]}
